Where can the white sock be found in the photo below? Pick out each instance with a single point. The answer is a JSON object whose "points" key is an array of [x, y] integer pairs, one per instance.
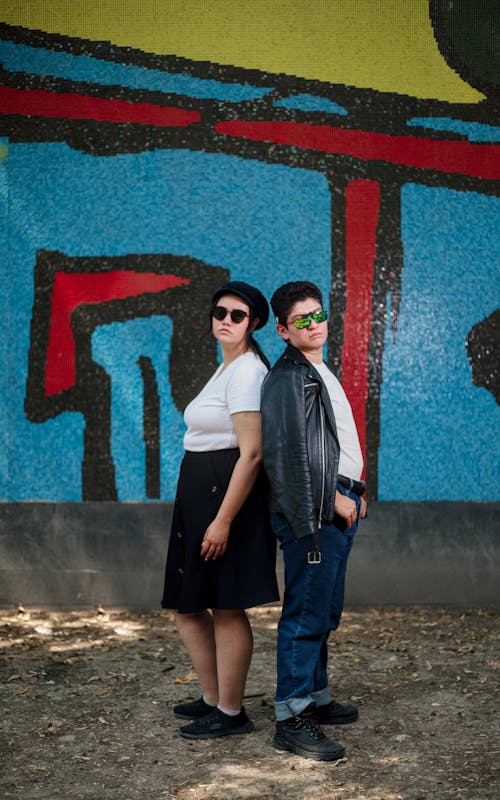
{"points": [[229, 711], [211, 703]]}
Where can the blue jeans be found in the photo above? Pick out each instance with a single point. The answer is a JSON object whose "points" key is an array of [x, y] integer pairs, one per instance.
{"points": [[312, 607]]}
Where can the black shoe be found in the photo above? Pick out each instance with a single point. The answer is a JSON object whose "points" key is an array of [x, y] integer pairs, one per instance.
{"points": [[303, 736], [335, 714], [193, 710], [217, 724]]}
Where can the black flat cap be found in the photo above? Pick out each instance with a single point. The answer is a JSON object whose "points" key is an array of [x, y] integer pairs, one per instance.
{"points": [[252, 296]]}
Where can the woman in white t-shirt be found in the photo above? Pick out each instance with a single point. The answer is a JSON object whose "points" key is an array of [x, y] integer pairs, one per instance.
{"points": [[222, 551]]}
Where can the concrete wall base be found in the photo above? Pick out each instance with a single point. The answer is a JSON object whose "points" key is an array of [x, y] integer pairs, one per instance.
{"points": [[81, 555]]}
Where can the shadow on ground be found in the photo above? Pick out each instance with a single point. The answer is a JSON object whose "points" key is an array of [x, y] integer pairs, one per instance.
{"points": [[86, 701]]}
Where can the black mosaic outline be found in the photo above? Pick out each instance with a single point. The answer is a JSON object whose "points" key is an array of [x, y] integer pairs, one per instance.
{"points": [[193, 356], [437, 13]]}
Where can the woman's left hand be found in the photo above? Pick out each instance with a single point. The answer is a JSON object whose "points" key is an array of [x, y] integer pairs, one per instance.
{"points": [[215, 540]]}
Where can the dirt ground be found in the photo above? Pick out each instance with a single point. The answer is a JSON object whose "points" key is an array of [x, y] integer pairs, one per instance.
{"points": [[86, 701]]}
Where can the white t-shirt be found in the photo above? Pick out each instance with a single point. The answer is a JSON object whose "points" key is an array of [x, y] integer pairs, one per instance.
{"points": [[208, 416], [351, 457]]}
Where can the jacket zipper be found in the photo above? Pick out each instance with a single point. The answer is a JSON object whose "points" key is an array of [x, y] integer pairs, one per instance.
{"points": [[323, 459]]}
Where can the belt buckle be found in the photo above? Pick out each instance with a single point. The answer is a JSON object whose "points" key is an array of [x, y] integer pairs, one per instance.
{"points": [[314, 557]]}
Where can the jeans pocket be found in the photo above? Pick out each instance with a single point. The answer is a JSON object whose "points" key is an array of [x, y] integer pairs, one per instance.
{"points": [[341, 523]]}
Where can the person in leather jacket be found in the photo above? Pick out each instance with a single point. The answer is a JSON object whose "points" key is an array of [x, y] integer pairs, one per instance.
{"points": [[313, 461]]}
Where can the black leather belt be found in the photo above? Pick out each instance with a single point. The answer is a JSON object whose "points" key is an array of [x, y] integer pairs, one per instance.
{"points": [[358, 487]]}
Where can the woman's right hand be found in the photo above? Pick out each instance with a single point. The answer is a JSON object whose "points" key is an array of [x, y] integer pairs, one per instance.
{"points": [[215, 540]]}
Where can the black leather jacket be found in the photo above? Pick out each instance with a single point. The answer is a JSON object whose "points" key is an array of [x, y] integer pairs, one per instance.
{"points": [[300, 445]]}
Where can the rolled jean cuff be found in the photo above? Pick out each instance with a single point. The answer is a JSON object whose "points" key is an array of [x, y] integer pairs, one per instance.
{"points": [[321, 698], [290, 708], [296, 705]]}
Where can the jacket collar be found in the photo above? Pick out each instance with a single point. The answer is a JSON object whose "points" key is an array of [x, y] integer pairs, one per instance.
{"points": [[294, 354]]}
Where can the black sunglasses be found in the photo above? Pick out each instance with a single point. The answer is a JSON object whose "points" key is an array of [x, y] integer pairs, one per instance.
{"points": [[221, 312]]}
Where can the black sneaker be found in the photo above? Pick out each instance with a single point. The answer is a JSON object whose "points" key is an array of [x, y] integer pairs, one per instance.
{"points": [[217, 724], [335, 714], [303, 736], [193, 710]]}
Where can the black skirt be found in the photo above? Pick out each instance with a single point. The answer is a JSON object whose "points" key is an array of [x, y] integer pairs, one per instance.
{"points": [[245, 575]]}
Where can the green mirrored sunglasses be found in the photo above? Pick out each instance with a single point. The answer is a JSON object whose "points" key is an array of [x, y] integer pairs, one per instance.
{"points": [[305, 321]]}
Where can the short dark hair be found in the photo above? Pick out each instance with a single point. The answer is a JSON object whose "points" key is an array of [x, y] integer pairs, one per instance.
{"points": [[287, 295]]}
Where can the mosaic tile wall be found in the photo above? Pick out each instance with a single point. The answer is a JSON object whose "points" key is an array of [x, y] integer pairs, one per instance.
{"points": [[135, 181]]}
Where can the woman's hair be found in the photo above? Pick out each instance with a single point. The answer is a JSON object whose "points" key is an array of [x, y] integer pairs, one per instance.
{"points": [[255, 346]]}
